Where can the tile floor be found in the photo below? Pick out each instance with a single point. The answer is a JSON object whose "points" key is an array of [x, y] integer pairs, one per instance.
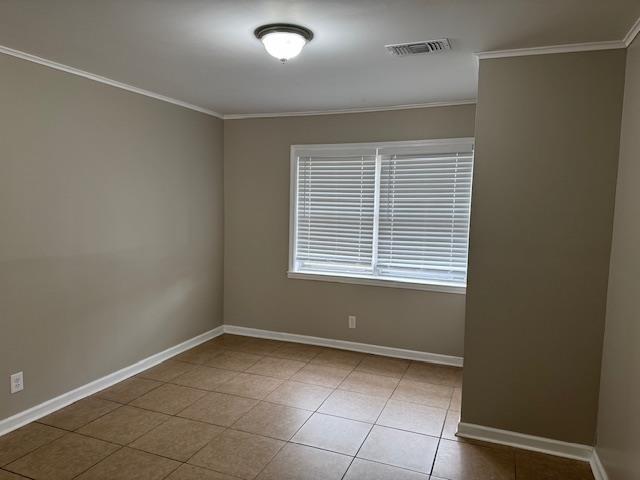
{"points": [[244, 408]]}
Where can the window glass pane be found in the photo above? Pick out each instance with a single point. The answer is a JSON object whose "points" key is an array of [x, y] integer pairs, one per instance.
{"points": [[335, 201], [395, 211], [424, 216]]}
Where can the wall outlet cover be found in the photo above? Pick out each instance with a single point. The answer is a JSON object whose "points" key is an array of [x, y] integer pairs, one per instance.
{"points": [[17, 382], [352, 321]]}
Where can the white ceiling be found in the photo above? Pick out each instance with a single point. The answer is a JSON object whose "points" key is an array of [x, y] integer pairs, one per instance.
{"points": [[203, 51]]}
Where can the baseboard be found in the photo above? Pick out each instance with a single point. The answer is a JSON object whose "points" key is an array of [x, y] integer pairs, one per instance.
{"points": [[45, 408], [597, 467], [526, 442], [576, 451], [345, 345]]}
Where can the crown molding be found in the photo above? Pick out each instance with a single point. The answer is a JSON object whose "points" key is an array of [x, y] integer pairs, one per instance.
{"points": [[632, 33], [238, 116], [124, 86], [567, 48], [97, 78], [517, 52]]}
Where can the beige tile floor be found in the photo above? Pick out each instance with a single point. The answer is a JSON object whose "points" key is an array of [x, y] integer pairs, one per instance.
{"points": [[244, 408]]}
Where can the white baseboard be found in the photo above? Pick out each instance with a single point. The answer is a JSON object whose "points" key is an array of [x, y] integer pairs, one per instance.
{"points": [[527, 442], [597, 467], [576, 451], [345, 345], [45, 408]]}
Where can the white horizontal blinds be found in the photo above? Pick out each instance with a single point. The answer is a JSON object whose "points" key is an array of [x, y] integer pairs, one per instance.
{"points": [[335, 212], [424, 215]]}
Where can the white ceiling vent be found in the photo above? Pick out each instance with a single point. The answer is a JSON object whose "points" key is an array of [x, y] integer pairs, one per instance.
{"points": [[417, 48]]}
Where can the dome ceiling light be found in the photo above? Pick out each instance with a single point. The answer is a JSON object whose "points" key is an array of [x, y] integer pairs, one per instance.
{"points": [[283, 40]]}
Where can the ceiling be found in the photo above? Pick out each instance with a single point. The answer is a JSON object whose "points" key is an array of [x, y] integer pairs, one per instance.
{"points": [[203, 51]]}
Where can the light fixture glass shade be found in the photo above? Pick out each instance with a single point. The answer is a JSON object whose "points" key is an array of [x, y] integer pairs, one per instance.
{"points": [[283, 45]]}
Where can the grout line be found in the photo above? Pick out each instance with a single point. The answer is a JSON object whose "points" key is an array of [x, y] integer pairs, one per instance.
{"points": [[307, 420], [171, 472], [258, 402], [376, 423], [2, 469], [435, 456], [66, 432], [252, 408], [102, 459]]}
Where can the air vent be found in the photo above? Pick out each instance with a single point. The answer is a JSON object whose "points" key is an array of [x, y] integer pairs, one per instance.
{"points": [[417, 48]]}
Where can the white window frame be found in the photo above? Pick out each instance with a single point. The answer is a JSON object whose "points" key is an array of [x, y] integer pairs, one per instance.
{"points": [[353, 278]]}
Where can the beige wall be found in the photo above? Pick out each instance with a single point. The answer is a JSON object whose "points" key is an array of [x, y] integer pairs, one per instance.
{"points": [[111, 229], [258, 293], [619, 413], [547, 135]]}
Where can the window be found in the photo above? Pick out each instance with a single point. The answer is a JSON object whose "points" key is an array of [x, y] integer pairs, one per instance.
{"points": [[394, 213]]}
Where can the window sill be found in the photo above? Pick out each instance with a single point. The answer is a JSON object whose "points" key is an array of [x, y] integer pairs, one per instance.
{"points": [[379, 282]]}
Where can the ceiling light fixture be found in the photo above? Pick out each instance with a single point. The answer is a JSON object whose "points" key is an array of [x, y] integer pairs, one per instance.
{"points": [[283, 40]]}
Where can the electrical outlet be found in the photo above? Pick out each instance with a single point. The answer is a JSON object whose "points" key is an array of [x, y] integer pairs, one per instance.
{"points": [[17, 382], [352, 321]]}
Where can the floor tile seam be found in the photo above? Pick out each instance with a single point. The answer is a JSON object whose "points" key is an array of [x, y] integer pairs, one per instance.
{"points": [[437, 445], [417, 403], [146, 409], [241, 350], [380, 414], [357, 452], [324, 449], [313, 412], [394, 466], [195, 364], [435, 457], [230, 380], [298, 359], [309, 383], [120, 405], [287, 405], [338, 365], [390, 464], [75, 430], [270, 460], [171, 472], [120, 447], [194, 420], [66, 432], [343, 417], [356, 391], [408, 431], [450, 385], [137, 449], [86, 435], [230, 427], [225, 429], [382, 374], [245, 370], [2, 469], [433, 385], [176, 415], [387, 402], [97, 394], [206, 391]]}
